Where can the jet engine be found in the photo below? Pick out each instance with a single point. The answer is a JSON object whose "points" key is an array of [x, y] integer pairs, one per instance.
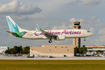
{"points": [[60, 37]]}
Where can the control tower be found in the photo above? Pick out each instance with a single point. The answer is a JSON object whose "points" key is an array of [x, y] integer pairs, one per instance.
{"points": [[77, 41]]}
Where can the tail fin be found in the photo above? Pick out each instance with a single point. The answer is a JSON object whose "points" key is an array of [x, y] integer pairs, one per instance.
{"points": [[12, 25], [15, 30]]}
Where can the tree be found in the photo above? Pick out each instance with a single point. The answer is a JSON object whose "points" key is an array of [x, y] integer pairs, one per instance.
{"points": [[15, 50], [7, 52], [83, 46], [20, 50], [82, 50], [76, 50], [26, 50], [11, 51], [99, 51]]}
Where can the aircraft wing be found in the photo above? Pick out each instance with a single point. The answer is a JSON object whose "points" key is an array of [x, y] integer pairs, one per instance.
{"points": [[49, 35]]}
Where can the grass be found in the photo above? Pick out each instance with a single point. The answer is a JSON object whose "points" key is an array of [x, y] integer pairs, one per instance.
{"points": [[52, 64]]}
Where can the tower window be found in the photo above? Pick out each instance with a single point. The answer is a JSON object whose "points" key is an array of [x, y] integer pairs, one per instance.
{"points": [[67, 49], [50, 50], [61, 47], [55, 47]]}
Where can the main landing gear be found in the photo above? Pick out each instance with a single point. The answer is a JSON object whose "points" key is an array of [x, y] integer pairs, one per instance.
{"points": [[50, 41]]}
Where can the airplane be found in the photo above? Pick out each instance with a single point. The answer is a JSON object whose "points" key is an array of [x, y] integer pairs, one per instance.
{"points": [[39, 33]]}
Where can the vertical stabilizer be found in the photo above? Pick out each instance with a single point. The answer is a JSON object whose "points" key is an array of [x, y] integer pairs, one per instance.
{"points": [[15, 30], [12, 25]]}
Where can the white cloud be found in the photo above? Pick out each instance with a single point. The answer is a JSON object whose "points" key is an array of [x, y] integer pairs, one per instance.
{"points": [[22, 17], [74, 20], [93, 24], [50, 8], [54, 28], [93, 17], [15, 7], [47, 26], [99, 40], [63, 26], [102, 31], [0, 4], [89, 2], [92, 30], [86, 23], [96, 26], [98, 20], [1, 27]]}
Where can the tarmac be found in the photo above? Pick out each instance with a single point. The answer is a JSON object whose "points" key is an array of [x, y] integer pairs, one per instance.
{"points": [[46, 58]]}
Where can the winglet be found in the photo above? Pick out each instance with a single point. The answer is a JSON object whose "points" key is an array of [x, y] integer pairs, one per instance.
{"points": [[38, 27]]}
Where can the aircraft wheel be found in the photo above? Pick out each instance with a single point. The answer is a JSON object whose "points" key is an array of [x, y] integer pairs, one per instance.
{"points": [[84, 39], [50, 41]]}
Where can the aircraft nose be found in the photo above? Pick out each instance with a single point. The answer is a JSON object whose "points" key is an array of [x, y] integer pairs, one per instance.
{"points": [[91, 34]]}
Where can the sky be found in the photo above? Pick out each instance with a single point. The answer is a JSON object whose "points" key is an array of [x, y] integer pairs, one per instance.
{"points": [[52, 14]]}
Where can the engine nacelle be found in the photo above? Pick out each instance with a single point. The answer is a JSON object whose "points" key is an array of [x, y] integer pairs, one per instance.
{"points": [[45, 37], [60, 37]]}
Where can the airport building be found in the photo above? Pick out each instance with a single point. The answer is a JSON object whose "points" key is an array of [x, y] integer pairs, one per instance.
{"points": [[3, 49], [53, 50], [93, 49]]}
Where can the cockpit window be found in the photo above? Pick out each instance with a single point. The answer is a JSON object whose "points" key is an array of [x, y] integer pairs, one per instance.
{"points": [[88, 31]]}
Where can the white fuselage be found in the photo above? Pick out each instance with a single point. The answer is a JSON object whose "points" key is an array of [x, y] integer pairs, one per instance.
{"points": [[16, 31], [67, 33]]}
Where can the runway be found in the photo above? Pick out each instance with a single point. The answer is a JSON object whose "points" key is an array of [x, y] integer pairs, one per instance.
{"points": [[65, 58]]}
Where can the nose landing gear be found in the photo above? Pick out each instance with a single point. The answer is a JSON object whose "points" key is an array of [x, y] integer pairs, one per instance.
{"points": [[50, 41], [84, 39]]}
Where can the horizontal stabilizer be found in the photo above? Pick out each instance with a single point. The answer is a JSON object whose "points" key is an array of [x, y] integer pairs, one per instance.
{"points": [[11, 32]]}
